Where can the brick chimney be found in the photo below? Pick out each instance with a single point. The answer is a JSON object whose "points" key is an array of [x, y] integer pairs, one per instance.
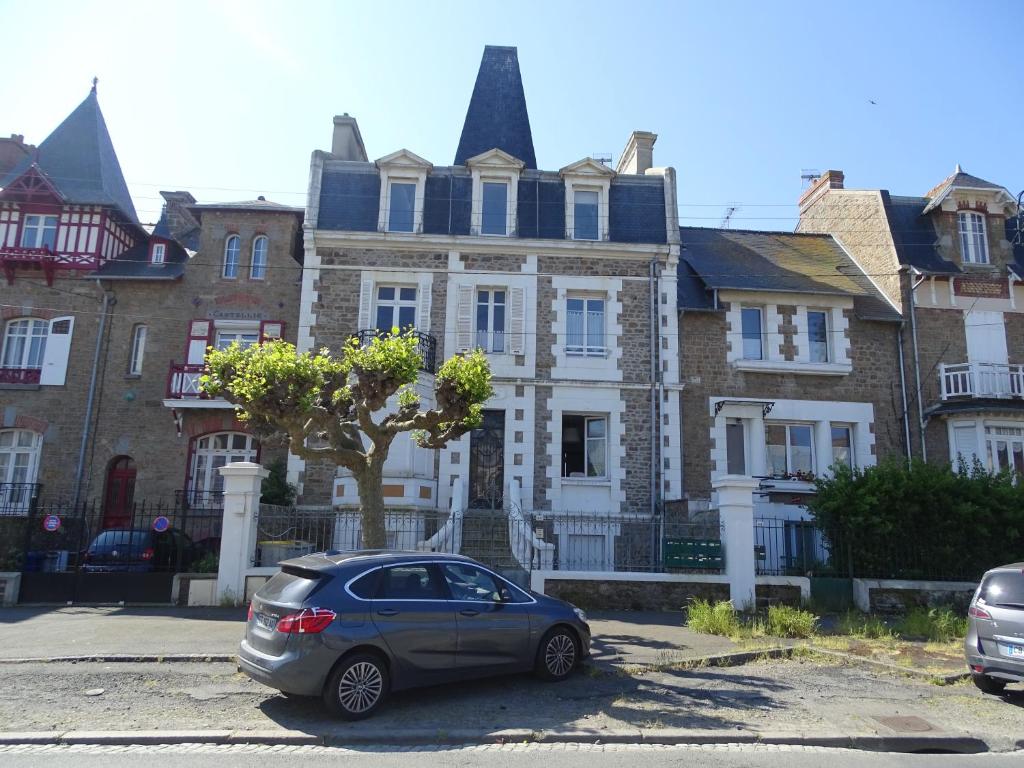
{"points": [[638, 156], [828, 180], [347, 142], [12, 152], [180, 220]]}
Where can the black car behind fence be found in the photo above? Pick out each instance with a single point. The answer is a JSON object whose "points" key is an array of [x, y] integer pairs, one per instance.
{"points": [[90, 553]]}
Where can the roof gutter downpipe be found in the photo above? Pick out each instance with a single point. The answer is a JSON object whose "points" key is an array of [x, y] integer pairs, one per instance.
{"points": [[914, 273], [91, 398], [654, 394], [903, 392]]}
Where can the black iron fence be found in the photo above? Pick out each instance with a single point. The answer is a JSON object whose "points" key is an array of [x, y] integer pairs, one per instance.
{"points": [[18, 498], [426, 345], [785, 547]]}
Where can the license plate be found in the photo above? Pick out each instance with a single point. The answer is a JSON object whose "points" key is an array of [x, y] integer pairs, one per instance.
{"points": [[1015, 650], [265, 621]]}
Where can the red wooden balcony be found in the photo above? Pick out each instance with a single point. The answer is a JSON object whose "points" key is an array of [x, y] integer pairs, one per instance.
{"points": [[183, 381], [34, 258], [19, 375]]}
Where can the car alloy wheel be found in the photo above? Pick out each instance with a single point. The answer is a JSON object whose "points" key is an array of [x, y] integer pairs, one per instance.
{"points": [[559, 655], [357, 687]]}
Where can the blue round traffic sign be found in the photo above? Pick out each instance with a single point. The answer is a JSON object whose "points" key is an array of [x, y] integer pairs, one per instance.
{"points": [[51, 523], [161, 524]]}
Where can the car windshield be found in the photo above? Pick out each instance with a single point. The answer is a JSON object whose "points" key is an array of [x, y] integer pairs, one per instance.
{"points": [[110, 539], [1004, 588]]}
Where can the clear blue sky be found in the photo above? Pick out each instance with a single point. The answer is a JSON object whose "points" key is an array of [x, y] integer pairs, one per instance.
{"points": [[228, 99]]}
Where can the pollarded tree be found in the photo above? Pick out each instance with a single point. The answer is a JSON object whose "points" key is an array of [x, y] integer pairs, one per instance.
{"points": [[326, 407]]}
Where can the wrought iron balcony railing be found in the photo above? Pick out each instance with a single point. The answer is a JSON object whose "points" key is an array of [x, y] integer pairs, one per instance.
{"points": [[427, 347], [19, 375], [18, 498], [997, 380]]}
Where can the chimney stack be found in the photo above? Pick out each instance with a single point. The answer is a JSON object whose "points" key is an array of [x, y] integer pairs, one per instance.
{"points": [[347, 143], [828, 180], [638, 156], [180, 220]]}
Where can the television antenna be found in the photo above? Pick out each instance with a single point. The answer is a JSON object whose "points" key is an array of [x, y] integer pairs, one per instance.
{"points": [[730, 211], [808, 176], [603, 158]]}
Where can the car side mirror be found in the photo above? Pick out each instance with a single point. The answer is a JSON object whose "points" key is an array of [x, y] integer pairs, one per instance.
{"points": [[505, 595]]}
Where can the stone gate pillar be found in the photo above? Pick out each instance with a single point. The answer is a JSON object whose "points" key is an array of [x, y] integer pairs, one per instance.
{"points": [[242, 482], [736, 513]]}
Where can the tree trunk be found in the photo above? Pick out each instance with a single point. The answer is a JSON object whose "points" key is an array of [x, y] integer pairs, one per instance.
{"points": [[371, 502]]}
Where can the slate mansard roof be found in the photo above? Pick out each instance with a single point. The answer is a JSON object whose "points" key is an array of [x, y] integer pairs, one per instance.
{"points": [[78, 158], [745, 260], [350, 201]]}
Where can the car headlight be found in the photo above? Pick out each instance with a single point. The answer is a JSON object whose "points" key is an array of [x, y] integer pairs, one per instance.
{"points": [[580, 614]]}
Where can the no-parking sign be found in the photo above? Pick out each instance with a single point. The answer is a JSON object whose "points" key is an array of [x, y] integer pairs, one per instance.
{"points": [[51, 523], [161, 524]]}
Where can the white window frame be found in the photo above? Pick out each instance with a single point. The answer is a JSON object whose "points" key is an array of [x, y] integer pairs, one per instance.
{"points": [[744, 426], [159, 253], [235, 330], [40, 229], [396, 304], [229, 266], [26, 360], [973, 243], [258, 269], [505, 229], [586, 349], [597, 192], [10, 498], [138, 350], [991, 439], [587, 175], [489, 346], [588, 418], [851, 448], [203, 475], [392, 183], [790, 472], [762, 337], [495, 167], [402, 167], [827, 314]]}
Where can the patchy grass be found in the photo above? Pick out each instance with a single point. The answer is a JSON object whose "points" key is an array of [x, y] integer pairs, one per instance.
{"points": [[714, 618], [856, 624], [939, 625], [787, 621]]}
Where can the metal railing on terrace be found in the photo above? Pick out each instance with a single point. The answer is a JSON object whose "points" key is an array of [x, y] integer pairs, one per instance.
{"points": [[19, 498], [999, 380], [427, 346]]}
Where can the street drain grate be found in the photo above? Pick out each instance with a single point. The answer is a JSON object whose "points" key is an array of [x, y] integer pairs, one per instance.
{"points": [[909, 724]]}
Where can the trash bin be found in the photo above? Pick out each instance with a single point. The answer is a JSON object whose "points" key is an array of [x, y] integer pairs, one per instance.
{"points": [[34, 561], [273, 552], [55, 561]]}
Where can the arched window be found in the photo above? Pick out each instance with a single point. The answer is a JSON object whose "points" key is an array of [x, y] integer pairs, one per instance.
{"points": [[258, 270], [210, 453], [973, 242], [232, 248], [19, 464], [24, 343]]}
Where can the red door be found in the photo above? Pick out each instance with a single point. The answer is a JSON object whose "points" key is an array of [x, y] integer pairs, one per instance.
{"points": [[117, 507]]}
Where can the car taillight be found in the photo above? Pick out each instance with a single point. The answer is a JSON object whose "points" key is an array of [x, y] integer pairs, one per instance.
{"points": [[978, 613], [308, 621], [249, 617], [147, 553]]}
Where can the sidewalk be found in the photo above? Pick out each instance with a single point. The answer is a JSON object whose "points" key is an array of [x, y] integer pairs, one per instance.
{"points": [[620, 638]]}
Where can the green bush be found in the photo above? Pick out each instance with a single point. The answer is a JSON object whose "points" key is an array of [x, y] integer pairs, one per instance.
{"points": [[206, 564], [713, 618], [939, 625], [895, 521], [856, 624], [787, 621]]}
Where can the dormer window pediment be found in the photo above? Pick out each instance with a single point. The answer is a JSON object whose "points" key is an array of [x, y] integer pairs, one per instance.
{"points": [[587, 186], [403, 158], [495, 192], [403, 176]]}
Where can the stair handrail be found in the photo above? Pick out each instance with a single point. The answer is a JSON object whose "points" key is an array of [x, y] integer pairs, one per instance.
{"points": [[531, 552], [449, 536]]}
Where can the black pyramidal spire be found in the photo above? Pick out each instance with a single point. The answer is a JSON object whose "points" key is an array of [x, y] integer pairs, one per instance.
{"points": [[497, 114]]}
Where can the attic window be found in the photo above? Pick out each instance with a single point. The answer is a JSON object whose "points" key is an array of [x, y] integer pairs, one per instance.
{"points": [[494, 220], [586, 207], [973, 242], [401, 206], [158, 253]]}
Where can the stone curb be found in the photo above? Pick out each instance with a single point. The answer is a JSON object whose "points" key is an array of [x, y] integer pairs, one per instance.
{"points": [[667, 736], [731, 659], [143, 658]]}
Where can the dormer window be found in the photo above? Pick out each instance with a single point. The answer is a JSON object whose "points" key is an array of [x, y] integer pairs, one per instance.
{"points": [[402, 206], [495, 193], [403, 176], [586, 206], [157, 256], [973, 241], [494, 219], [587, 187], [39, 232]]}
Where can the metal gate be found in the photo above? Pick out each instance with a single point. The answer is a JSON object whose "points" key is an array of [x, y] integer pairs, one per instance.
{"points": [[487, 462], [81, 554]]}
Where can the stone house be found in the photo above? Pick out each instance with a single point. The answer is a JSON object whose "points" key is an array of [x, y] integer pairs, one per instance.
{"points": [[566, 279], [103, 317], [788, 355], [952, 260]]}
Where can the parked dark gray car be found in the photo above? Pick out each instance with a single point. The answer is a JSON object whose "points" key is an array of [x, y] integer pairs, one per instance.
{"points": [[995, 632], [353, 626]]}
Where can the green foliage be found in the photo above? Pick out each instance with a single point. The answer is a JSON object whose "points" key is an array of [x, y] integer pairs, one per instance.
{"points": [[275, 488], [206, 564], [857, 624], [939, 625], [920, 521], [713, 618], [787, 621]]}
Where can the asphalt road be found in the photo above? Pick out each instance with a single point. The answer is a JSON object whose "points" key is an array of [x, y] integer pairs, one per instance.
{"points": [[507, 756]]}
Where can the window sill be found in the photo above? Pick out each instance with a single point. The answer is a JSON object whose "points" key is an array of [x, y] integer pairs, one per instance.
{"points": [[787, 366], [603, 353], [597, 482], [787, 486], [21, 386]]}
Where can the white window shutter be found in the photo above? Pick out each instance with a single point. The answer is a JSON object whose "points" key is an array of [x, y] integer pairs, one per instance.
{"points": [[965, 439], [365, 302], [58, 347], [464, 319], [423, 310], [517, 321]]}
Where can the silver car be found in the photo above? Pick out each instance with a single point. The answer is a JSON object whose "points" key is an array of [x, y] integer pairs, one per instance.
{"points": [[995, 633], [350, 627]]}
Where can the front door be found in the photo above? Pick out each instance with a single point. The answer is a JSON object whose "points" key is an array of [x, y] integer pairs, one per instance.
{"points": [[417, 621], [487, 462], [117, 507], [493, 633]]}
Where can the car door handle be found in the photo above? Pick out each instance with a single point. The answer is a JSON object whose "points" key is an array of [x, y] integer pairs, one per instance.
{"points": [[387, 612], [469, 612]]}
